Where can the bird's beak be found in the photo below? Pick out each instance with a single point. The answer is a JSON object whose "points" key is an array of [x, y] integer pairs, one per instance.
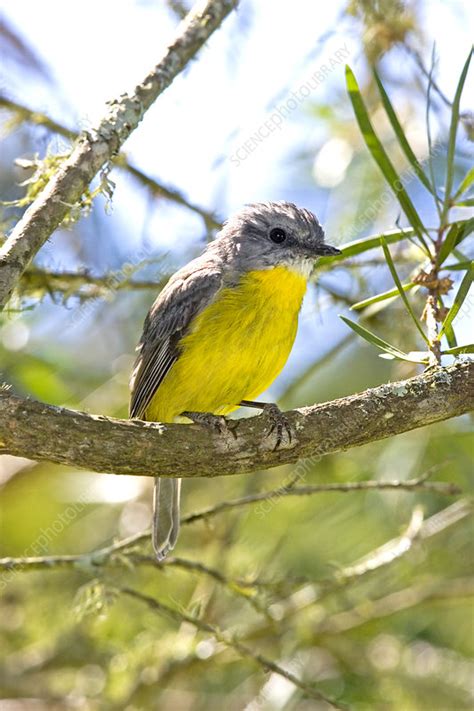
{"points": [[326, 250]]}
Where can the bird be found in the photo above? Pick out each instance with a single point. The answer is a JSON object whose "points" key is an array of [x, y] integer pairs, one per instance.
{"points": [[221, 330]]}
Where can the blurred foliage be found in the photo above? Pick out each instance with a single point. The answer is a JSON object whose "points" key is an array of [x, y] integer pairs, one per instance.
{"points": [[42, 171], [299, 580], [385, 24]]}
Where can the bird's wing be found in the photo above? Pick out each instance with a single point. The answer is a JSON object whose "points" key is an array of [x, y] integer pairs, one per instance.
{"points": [[183, 298]]}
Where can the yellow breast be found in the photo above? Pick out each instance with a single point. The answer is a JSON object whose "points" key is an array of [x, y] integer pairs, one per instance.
{"points": [[236, 347]]}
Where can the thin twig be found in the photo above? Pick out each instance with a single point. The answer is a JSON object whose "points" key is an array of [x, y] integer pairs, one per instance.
{"points": [[387, 553], [158, 189], [368, 611], [418, 484], [82, 284], [427, 73], [311, 593], [120, 552], [229, 641], [117, 556], [95, 149], [396, 548]]}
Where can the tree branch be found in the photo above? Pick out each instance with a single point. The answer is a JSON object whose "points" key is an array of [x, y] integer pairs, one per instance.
{"points": [[314, 592], [229, 641], [46, 433], [439, 590], [39, 118], [36, 282], [122, 552], [95, 148]]}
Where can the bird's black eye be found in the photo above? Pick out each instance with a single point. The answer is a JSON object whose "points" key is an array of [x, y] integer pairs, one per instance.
{"points": [[277, 235]]}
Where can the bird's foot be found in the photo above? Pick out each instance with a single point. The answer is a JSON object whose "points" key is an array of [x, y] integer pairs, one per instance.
{"points": [[280, 427], [280, 430], [215, 423]]}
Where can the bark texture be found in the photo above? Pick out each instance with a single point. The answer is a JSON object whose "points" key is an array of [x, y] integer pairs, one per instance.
{"points": [[46, 433], [96, 148]]}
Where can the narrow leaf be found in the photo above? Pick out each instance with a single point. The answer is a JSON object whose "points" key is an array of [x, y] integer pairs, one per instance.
{"points": [[402, 139], [465, 183], [452, 136], [459, 266], [459, 350], [469, 202], [377, 150], [401, 291], [449, 243], [358, 246], [458, 300], [393, 293], [450, 335], [363, 245], [379, 342], [456, 234]]}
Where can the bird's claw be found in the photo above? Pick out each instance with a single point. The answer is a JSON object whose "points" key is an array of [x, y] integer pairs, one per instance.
{"points": [[216, 423], [279, 425]]}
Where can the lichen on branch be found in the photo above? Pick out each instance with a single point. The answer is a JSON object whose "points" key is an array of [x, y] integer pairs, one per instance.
{"points": [[95, 148], [46, 433]]}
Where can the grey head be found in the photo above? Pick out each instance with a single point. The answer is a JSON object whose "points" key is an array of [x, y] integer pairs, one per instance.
{"points": [[269, 234]]}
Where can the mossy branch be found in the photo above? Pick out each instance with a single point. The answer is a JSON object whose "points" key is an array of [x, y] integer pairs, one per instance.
{"points": [[95, 148], [156, 188], [37, 282], [121, 551], [231, 641], [46, 433]]}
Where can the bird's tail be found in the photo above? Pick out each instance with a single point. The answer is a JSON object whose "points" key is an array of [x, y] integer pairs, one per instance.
{"points": [[165, 515]]}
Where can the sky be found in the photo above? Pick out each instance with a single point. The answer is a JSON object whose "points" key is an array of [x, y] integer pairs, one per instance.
{"points": [[194, 134], [101, 49]]}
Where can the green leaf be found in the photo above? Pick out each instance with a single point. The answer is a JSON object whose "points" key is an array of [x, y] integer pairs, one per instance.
{"points": [[363, 245], [393, 293], [379, 342], [458, 300], [465, 184], [358, 246], [402, 139], [449, 243], [452, 137], [459, 266], [401, 291], [469, 202], [450, 335], [456, 234], [467, 226], [377, 150], [459, 350]]}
